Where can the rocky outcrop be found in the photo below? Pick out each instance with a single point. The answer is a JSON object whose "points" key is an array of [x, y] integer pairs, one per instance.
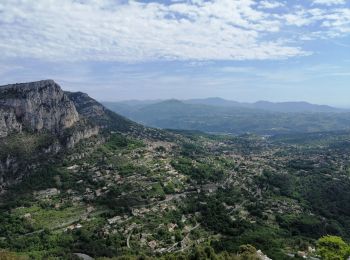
{"points": [[37, 106], [78, 135], [8, 165], [41, 111], [8, 121]]}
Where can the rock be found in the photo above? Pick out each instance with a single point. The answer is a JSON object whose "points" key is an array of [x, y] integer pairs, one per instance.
{"points": [[83, 256], [114, 220], [302, 254], [152, 244], [73, 167], [40, 105], [47, 193], [261, 255], [73, 227], [27, 215], [8, 121], [171, 227], [10, 164], [98, 192], [79, 135], [311, 250], [65, 118], [77, 226]]}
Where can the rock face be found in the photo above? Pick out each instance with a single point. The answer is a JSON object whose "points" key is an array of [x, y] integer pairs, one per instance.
{"points": [[9, 165], [8, 121], [80, 135], [37, 106], [43, 113]]}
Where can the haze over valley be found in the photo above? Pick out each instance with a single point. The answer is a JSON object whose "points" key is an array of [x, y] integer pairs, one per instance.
{"points": [[215, 115]]}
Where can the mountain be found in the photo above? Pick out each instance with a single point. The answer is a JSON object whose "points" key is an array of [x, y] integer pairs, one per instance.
{"points": [[215, 101], [285, 107], [220, 116], [36, 106], [126, 107], [78, 181], [294, 107], [38, 118]]}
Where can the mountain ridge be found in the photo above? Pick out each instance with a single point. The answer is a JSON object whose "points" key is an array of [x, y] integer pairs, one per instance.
{"points": [[53, 121], [177, 114], [286, 106], [38, 119]]}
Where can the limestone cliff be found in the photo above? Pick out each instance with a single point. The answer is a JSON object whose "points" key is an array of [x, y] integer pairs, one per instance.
{"points": [[39, 120], [79, 135], [37, 106]]}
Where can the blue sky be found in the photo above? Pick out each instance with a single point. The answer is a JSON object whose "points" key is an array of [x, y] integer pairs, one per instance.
{"points": [[244, 50]]}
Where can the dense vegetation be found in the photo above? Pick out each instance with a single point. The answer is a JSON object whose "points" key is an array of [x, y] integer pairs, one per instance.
{"points": [[196, 197]]}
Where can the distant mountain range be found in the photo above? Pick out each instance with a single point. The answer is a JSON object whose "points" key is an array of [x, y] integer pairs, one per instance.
{"points": [[224, 116], [287, 107]]}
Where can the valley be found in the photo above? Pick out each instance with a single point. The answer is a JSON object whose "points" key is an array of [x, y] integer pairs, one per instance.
{"points": [[222, 116], [125, 191]]}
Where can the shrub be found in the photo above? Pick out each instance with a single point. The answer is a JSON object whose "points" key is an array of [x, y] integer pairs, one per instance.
{"points": [[332, 248]]}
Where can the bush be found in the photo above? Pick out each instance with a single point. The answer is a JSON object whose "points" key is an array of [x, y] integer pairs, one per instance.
{"points": [[332, 248]]}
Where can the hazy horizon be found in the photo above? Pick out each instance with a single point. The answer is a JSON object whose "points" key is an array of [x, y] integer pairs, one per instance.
{"points": [[212, 97]]}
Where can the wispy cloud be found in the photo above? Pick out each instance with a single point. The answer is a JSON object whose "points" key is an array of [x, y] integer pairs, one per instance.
{"points": [[133, 31], [329, 2], [270, 4]]}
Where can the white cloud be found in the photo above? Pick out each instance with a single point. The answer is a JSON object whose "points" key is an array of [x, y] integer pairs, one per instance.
{"points": [[130, 31], [299, 18], [329, 2], [270, 4]]}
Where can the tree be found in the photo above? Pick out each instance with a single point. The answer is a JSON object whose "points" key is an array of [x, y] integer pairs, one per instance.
{"points": [[247, 252], [332, 248]]}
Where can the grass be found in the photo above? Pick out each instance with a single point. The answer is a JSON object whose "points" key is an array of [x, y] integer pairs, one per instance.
{"points": [[50, 218], [6, 255]]}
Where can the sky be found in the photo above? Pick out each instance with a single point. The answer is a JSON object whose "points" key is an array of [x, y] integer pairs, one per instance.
{"points": [[244, 50]]}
